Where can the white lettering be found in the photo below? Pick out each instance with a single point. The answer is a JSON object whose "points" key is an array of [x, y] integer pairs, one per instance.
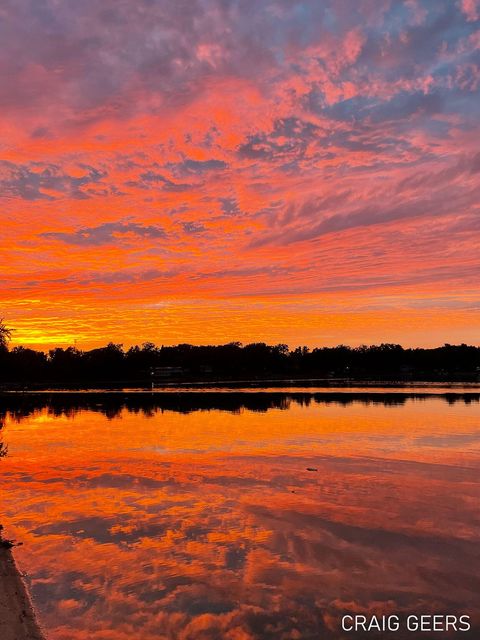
{"points": [[374, 624], [451, 621], [343, 623], [465, 622], [412, 623], [360, 623]]}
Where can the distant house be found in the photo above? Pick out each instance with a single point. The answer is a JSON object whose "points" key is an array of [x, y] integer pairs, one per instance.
{"points": [[206, 368], [164, 373], [407, 370]]}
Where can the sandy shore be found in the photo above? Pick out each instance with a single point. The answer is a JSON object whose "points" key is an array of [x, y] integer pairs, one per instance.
{"points": [[17, 618]]}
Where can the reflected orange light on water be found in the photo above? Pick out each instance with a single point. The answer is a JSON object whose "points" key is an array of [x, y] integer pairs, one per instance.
{"points": [[244, 525]]}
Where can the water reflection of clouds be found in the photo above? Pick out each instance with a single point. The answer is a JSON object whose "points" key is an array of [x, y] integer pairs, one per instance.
{"points": [[121, 543], [448, 440]]}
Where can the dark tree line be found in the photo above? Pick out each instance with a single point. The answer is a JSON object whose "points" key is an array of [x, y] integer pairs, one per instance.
{"points": [[113, 363]]}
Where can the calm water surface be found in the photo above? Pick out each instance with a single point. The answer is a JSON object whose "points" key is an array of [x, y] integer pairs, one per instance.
{"points": [[243, 516]]}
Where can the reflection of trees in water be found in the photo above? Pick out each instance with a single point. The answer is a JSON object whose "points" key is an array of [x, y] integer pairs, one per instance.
{"points": [[111, 405], [3, 446]]}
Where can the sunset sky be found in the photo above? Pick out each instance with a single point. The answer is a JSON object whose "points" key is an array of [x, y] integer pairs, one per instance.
{"points": [[204, 171]]}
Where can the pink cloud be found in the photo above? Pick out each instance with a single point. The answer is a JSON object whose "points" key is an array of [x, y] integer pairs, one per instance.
{"points": [[471, 9]]}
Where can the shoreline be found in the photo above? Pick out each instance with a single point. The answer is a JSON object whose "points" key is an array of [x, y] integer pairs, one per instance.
{"points": [[158, 384], [17, 615]]}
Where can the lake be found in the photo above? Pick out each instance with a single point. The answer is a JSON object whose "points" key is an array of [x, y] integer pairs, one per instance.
{"points": [[243, 515]]}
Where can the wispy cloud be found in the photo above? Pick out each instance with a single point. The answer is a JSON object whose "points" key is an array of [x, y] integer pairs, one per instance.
{"points": [[108, 233]]}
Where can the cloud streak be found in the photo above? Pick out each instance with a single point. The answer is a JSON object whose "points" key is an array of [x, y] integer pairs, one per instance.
{"points": [[107, 233]]}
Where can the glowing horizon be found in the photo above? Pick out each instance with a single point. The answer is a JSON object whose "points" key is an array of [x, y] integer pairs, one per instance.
{"points": [[300, 172]]}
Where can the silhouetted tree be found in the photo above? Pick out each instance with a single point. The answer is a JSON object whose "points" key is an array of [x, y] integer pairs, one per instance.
{"points": [[5, 335], [65, 364], [141, 359], [27, 365], [106, 363]]}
